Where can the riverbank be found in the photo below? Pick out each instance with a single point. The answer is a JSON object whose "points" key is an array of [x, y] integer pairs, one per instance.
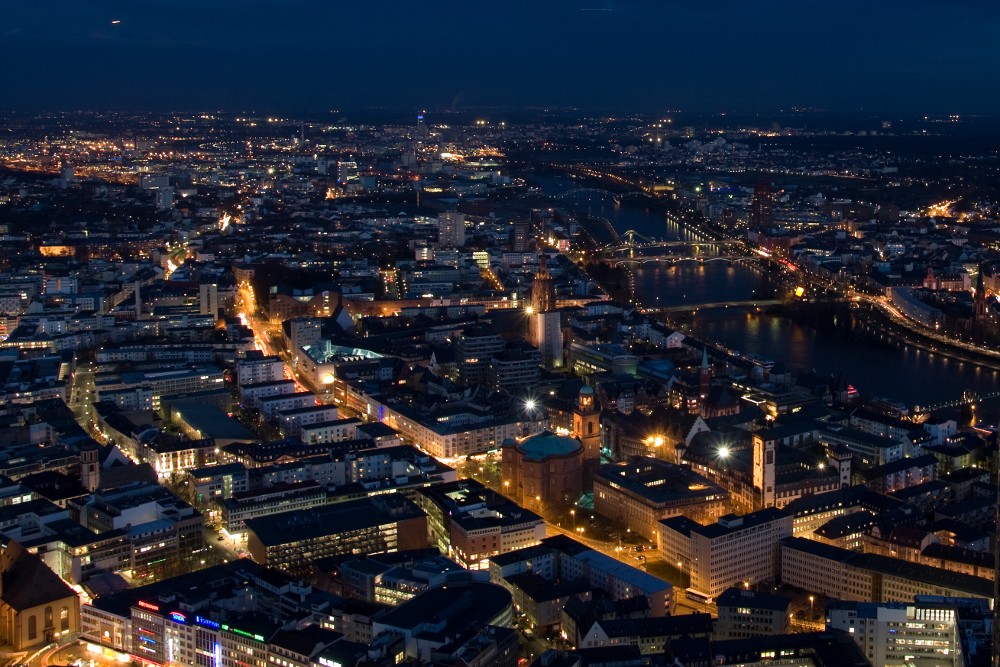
{"points": [[903, 373]]}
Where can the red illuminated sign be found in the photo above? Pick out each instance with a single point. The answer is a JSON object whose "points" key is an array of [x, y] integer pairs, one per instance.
{"points": [[148, 605]]}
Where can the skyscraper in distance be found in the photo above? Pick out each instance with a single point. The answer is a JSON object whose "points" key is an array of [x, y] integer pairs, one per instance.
{"points": [[451, 229], [762, 207]]}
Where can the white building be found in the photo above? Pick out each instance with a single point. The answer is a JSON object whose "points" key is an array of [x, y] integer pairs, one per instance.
{"points": [[898, 634], [252, 394], [272, 405], [291, 421], [548, 338], [336, 430], [736, 551], [257, 369]]}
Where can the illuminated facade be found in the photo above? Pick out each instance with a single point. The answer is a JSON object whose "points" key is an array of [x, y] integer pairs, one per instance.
{"points": [[471, 524], [896, 634], [543, 472], [292, 540], [849, 575], [735, 551], [587, 423], [36, 606]]}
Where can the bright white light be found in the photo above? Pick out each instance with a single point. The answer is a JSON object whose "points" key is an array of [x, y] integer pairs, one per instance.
{"points": [[723, 452], [530, 404]]}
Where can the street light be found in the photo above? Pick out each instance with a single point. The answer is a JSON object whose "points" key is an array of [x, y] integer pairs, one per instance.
{"points": [[812, 599]]}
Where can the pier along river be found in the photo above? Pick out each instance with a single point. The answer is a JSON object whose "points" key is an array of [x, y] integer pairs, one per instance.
{"points": [[899, 373]]}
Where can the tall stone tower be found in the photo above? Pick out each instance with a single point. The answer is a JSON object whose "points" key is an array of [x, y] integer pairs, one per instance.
{"points": [[543, 292], [704, 380], [842, 459], [764, 453], [982, 320], [587, 429], [90, 473], [587, 423]]}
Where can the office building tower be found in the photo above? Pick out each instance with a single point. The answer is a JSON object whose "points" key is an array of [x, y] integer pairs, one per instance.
{"points": [[208, 299], [521, 239], [451, 229], [546, 335], [762, 207], [347, 172]]}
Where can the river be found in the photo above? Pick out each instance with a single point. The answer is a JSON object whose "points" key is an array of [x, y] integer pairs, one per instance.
{"points": [[900, 374]]}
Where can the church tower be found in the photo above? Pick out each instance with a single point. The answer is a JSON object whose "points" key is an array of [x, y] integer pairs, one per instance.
{"points": [[587, 429], [982, 322], [543, 292], [764, 452], [587, 423], [90, 467], [704, 380]]}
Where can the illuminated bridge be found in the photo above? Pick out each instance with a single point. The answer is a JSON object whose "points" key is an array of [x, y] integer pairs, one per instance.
{"points": [[967, 398], [714, 304], [632, 240], [598, 193]]}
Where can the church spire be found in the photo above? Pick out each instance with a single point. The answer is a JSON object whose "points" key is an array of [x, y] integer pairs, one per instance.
{"points": [[543, 292]]}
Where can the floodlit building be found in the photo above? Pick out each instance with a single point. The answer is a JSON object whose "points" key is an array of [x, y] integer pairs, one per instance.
{"points": [[735, 551], [900, 634]]}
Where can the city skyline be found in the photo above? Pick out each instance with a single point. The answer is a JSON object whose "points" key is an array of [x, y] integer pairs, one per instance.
{"points": [[631, 55], [575, 333]]}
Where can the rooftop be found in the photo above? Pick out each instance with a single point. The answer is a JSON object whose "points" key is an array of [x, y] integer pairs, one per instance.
{"points": [[546, 444], [659, 481], [299, 525]]}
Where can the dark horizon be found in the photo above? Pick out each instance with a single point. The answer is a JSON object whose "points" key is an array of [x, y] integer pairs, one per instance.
{"points": [[599, 56]]}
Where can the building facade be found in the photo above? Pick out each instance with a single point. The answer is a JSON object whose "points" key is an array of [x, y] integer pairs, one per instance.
{"points": [[737, 551]]}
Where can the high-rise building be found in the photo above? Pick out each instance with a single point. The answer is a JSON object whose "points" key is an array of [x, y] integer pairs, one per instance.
{"points": [[762, 207], [164, 199], [521, 239], [208, 299], [474, 348], [451, 229], [347, 172], [546, 335]]}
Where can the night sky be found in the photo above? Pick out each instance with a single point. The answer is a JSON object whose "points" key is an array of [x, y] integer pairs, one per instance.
{"points": [[914, 56]]}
